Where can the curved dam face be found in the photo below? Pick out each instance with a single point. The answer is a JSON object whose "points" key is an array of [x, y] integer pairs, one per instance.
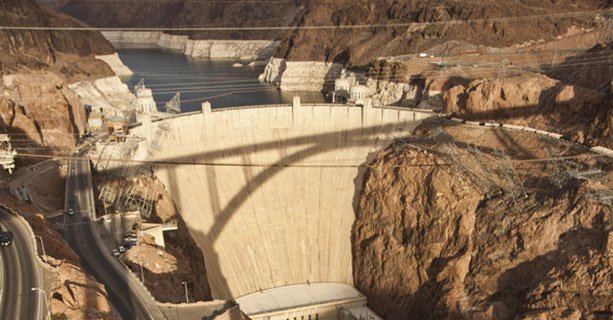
{"points": [[268, 192]]}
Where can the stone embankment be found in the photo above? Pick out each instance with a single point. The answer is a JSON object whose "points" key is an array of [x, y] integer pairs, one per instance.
{"points": [[110, 94], [301, 75], [113, 61], [254, 50]]}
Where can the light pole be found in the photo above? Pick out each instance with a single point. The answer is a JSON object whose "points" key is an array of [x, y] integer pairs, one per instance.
{"points": [[185, 286], [142, 273], [42, 244], [46, 302]]}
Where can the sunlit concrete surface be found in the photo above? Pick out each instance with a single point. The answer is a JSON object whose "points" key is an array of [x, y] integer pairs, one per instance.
{"points": [[268, 192], [320, 301]]}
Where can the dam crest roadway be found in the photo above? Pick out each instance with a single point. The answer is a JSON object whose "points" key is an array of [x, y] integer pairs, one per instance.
{"points": [[274, 204]]}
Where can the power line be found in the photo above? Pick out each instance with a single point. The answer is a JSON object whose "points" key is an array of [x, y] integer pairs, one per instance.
{"points": [[280, 164], [326, 27]]}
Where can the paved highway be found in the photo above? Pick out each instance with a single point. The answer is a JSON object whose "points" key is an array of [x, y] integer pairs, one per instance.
{"points": [[20, 272], [127, 298]]}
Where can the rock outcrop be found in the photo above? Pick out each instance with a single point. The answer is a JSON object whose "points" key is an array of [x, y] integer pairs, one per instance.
{"points": [[113, 61], [111, 94], [359, 46], [301, 76], [36, 67], [39, 48], [164, 269], [535, 100], [461, 230], [39, 110], [75, 294], [191, 14]]}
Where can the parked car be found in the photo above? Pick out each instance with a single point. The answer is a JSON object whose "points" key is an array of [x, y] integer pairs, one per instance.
{"points": [[6, 238], [116, 253], [122, 249]]}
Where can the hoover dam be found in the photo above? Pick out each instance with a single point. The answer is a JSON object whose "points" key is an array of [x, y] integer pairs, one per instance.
{"points": [[268, 192]]}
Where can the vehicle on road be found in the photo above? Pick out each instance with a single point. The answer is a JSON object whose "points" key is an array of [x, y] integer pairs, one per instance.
{"points": [[6, 238], [70, 211], [116, 253]]}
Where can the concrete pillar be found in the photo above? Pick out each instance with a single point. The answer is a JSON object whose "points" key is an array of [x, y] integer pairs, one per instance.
{"points": [[296, 102], [295, 109], [367, 111], [206, 107], [147, 126]]}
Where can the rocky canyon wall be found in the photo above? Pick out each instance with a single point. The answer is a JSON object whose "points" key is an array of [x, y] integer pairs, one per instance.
{"points": [[213, 49], [456, 230]]}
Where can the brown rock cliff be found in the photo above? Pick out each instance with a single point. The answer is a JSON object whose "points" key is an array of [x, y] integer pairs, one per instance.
{"points": [[459, 230]]}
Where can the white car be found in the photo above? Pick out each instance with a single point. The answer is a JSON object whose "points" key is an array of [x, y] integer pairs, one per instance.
{"points": [[122, 249], [116, 253]]}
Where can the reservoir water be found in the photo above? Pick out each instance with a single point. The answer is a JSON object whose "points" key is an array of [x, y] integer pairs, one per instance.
{"points": [[167, 72]]}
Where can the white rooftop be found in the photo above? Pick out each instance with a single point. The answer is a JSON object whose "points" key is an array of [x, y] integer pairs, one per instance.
{"points": [[295, 296], [362, 313]]}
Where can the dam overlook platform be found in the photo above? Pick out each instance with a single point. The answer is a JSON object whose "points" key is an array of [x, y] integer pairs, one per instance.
{"points": [[268, 192]]}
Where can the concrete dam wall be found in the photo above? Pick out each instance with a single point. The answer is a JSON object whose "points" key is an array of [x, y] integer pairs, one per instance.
{"points": [[268, 192]]}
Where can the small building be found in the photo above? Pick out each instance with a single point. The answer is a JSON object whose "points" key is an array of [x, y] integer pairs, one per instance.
{"points": [[117, 128], [341, 90], [358, 94], [145, 100], [315, 301], [95, 120], [359, 313]]}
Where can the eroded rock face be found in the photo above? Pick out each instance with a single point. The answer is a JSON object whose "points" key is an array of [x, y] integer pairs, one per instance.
{"points": [[40, 112], [487, 97], [447, 232], [75, 294], [38, 49], [359, 46], [535, 100]]}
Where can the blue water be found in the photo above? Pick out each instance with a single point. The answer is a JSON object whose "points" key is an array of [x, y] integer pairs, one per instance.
{"points": [[167, 72]]}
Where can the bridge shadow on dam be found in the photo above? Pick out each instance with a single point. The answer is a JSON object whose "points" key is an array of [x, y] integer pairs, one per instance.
{"points": [[311, 145], [379, 136]]}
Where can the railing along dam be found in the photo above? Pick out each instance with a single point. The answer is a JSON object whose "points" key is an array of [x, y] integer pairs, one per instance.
{"points": [[268, 193]]}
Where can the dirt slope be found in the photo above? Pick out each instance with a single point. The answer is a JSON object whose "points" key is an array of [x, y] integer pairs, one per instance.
{"points": [[574, 98], [35, 105], [38, 49], [359, 46], [450, 227], [190, 14], [76, 294]]}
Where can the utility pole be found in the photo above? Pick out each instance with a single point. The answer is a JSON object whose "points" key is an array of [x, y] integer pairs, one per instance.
{"points": [[47, 304], [142, 273], [185, 286]]}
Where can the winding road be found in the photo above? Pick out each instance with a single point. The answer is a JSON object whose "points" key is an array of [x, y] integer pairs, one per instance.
{"points": [[127, 298], [20, 273]]}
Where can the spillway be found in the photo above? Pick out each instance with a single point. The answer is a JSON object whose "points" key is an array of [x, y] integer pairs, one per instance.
{"points": [[268, 192]]}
